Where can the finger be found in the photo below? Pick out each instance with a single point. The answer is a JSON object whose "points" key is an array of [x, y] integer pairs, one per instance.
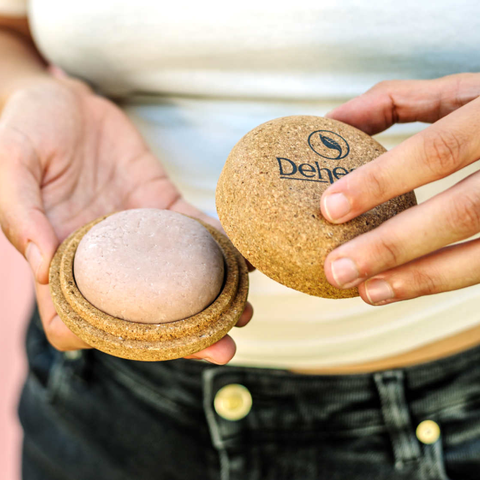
{"points": [[224, 350], [22, 216], [446, 218], [401, 101], [220, 353], [445, 147], [57, 333], [246, 316], [450, 268]]}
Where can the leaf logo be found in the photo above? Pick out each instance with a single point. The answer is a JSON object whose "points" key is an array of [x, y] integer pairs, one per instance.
{"points": [[329, 143]]}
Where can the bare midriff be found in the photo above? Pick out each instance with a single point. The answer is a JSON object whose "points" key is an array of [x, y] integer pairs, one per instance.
{"points": [[433, 351]]}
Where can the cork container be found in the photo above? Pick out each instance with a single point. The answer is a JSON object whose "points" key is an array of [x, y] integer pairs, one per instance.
{"points": [[268, 198], [142, 341]]}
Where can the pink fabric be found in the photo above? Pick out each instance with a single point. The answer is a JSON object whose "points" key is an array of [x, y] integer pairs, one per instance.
{"points": [[16, 294]]}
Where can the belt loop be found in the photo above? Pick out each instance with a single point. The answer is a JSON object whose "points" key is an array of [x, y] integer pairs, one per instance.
{"points": [[217, 440], [390, 385]]}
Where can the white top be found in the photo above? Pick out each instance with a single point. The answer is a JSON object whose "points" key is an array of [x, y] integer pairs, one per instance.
{"points": [[197, 76]]}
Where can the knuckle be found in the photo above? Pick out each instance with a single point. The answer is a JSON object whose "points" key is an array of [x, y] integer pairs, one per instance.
{"points": [[377, 184], [384, 85], [388, 252], [458, 86], [442, 152], [463, 214], [386, 91], [423, 283]]}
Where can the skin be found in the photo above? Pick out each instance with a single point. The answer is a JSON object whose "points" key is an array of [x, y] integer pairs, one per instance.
{"points": [[411, 255], [68, 156]]}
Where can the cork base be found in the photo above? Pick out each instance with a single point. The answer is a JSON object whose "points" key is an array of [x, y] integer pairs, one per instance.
{"points": [[141, 341]]}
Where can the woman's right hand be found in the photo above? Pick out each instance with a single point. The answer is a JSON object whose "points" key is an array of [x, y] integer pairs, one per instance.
{"points": [[68, 156]]}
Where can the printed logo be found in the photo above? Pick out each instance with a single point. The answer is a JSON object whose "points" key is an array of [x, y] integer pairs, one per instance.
{"points": [[328, 144], [288, 169]]}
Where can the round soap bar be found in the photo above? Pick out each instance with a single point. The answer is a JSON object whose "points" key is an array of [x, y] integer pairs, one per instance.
{"points": [[149, 266], [268, 198]]}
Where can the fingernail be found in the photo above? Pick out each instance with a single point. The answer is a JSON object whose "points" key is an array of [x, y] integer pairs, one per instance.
{"points": [[336, 205], [328, 114], [378, 290], [34, 257], [211, 360], [344, 271]]}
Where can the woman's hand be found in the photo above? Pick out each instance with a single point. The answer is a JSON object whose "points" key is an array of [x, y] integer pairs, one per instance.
{"points": [[408, 256], [68, 156]]}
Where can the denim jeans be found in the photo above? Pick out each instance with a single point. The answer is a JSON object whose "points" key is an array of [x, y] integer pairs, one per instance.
{"points": [[93, 416]]}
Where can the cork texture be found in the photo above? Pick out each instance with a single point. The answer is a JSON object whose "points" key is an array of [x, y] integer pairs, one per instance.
{"points": [[142, 341], [268, 198]]}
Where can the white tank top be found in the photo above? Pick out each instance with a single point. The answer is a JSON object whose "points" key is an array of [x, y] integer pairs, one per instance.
{"points": [[196, 76]]}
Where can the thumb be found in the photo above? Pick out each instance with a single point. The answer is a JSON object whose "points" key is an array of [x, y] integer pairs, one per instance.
{"points": [[22, 216]]}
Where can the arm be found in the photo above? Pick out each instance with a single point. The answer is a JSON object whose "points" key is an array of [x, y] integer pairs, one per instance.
{"points": [[68, 156], [20, 61]]}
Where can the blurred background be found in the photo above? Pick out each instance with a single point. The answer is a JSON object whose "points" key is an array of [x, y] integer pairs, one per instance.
{"points": [[16, 300]]}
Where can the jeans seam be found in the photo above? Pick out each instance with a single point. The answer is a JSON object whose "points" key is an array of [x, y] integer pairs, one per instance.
{"points": [[434, 463], [390, 385], [219, 444]]}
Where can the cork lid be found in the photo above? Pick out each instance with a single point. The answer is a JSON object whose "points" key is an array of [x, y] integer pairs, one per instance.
{"points": [[268, 198]]}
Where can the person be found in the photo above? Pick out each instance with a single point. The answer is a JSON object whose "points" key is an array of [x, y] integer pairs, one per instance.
{"points": [[116, 105]]}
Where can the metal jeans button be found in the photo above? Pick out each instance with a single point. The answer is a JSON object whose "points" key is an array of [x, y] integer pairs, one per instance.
{"points": [[233, 402], [428, 432]]}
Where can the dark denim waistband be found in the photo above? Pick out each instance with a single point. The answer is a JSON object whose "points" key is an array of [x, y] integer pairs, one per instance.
{"points": [[345, 402], [351, 400]]}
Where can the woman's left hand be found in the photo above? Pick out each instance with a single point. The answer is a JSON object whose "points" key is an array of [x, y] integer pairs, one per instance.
{"points": [[68, 156], [408, 256]]}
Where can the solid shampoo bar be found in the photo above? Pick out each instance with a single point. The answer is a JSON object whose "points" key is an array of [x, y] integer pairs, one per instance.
{"points": [[149, 266]]}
